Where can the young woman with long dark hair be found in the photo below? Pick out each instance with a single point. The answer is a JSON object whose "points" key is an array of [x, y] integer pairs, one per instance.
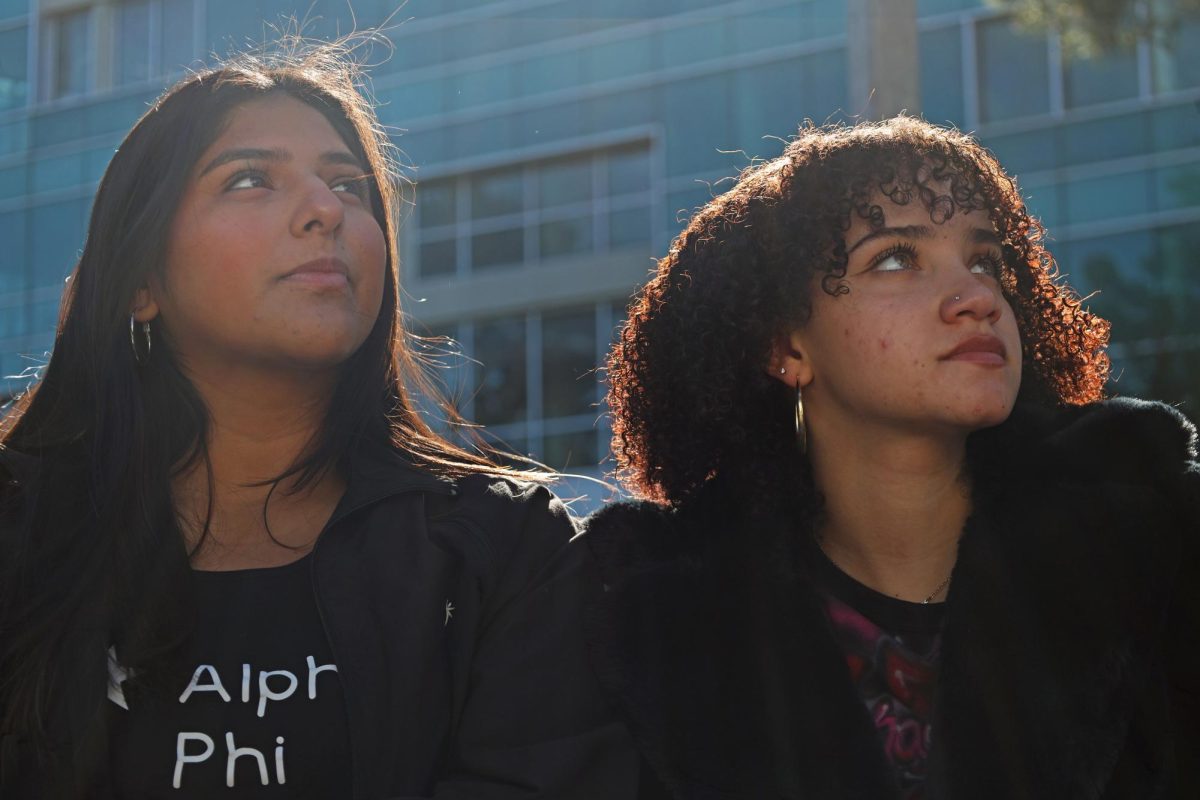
{"points": [[234, 559], [893, 542]]}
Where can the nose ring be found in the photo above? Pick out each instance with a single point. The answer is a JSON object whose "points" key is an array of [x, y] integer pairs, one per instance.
{"points": [[957, 298]]}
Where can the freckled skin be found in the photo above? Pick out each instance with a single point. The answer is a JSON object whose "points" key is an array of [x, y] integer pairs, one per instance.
{"points": [[877, 355]]}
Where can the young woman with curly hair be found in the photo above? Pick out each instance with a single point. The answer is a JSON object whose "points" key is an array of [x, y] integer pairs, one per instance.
{"points": [[235, 562], [892, 543]]}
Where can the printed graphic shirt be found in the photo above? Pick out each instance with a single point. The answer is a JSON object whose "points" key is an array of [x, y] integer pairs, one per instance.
{"points": [[892, 648], [259, 712]]}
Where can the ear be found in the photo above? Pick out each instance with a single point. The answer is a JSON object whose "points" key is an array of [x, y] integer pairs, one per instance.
{"points": [[788, 362], [145, 307]]}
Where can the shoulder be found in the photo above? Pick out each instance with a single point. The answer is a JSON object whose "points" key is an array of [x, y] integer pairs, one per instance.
{"points": [[1139, 439]]}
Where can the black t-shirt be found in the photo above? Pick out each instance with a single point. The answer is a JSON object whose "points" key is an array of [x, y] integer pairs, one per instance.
{"points": [[892, 648], [259, 712]]}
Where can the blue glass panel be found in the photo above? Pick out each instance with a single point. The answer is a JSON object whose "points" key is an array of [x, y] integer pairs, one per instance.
{"points": [[14, 137], [1104, 264], [826, 18], [56, 234], [696, 111], [927, 8], [697, 42], [71, 73], [178, 48], [118, 115], [95, 162], [625, 110], [1175, 126], [483, 136], [1102, 139], [560, 121], [57, 127], [61, 172], [500, 350], [1043, 202], [409, 101], [773, 27], [14, 8], [1005, 91], [548, 73], [825, 85], [768, 102], [424, 147], [1177, 66], [1025, 152], [1177, 186], [629, 226], [14, 84], [13, 267], [133, 42], [942, 75], [618, 59], [12, 182], [1101, 79], [12, 323], [480, 86], [1109, 197]]}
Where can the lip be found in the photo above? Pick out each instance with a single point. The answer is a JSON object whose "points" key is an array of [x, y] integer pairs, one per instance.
{"points": [[320, 272], [983, 349]]}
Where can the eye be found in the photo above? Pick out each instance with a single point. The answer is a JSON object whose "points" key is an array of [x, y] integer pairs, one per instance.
{"points": [[356, 185], [896, 258], [991, 265], [247, 179]]}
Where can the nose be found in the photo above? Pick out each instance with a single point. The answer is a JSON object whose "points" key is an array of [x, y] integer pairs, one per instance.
{"points": [[318, 210], [972, 298]]}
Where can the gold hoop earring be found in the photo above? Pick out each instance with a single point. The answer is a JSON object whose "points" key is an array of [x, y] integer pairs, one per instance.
{"points": [[140, 359], [801, 427]]}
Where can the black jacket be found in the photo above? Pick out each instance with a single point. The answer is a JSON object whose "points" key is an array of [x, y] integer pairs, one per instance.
{"points": [[1070, 660], [494, 699]]}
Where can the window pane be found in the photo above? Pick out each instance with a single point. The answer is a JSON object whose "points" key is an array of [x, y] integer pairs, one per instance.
{"points": [[71, 54], [1177, 187], [565, 181], [494, 249], [437, 258], [1099, 80], [1006, 91], [435, 200], [629, 226], [133, 42], [1110, 197], [13, 266], [942, 75], [1178, 67], [566, 236], [55, 237], [177, 28], [13, 83], [496, 193], [568, 361], [500, 351], [629, 170], [571, 450]]}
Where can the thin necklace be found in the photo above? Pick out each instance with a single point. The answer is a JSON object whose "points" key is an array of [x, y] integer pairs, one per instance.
{"points": [[820, 540]]}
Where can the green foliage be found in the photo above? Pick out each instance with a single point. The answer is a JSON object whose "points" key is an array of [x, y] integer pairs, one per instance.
{"points": [[1094, 27]]}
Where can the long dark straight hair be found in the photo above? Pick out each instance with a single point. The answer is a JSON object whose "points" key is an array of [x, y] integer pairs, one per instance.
{"points": [[93, 555]]}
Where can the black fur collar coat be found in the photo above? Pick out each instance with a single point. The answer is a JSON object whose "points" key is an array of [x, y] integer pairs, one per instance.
{"points": [[1071, 641]]}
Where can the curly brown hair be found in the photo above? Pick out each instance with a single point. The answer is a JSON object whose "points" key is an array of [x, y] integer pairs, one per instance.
{"points": [[689, 393]]}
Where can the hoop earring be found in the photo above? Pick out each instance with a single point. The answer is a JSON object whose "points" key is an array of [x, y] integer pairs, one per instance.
{"points": [[139, 359], [801, 427]]}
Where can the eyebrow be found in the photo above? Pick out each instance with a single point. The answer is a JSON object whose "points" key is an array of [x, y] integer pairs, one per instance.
{"points": [[975, 235], [277, 155]]}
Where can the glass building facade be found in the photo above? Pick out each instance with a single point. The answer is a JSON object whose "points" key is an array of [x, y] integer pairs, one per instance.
{"points": [[557, 145]]}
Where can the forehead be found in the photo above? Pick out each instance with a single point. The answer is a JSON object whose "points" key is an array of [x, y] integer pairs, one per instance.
{"points": [[278, 121]]}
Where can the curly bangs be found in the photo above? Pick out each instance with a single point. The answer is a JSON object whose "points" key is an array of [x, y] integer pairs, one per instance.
{"points": [[689, 393]]}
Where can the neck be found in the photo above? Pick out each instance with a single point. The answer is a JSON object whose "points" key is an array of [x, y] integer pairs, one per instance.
{"points": [[259, 427], [895, 505]]}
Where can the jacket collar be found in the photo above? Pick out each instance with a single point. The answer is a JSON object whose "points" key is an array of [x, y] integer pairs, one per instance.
{"points": [[377, 470]]}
